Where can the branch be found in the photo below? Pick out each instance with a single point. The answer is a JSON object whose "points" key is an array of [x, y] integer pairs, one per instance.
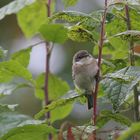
{"points": [[101, 42], [48, 53]]}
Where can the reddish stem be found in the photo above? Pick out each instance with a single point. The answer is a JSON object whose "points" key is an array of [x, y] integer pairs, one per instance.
{"points": [[70, 134], [47, 68], [101, 42]]}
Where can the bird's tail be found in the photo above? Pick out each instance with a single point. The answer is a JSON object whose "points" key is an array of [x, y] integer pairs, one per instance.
{"points": [[89, 100]]}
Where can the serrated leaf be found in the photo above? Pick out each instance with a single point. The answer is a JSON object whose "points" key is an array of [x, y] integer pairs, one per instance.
{"points": [[14, 7], [57, 87], [58, 103], [22, 56], [106, 116], [85, 20], [134, 16], [117, 91], [72, 16], [11, 69], [79, 34], [32, 17], [29, 132], [68, 3], [56, 33], [130, 34], [134, 129]]}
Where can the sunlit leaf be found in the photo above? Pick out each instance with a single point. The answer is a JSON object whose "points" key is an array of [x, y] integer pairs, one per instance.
{"points": [[54, 32], [22, 56], [56, 86], [72, 16], [79, 34], [32, 17], [11, 69], [58, 103], [29, 132], [14, 7], [63, 112], [68, 3]]}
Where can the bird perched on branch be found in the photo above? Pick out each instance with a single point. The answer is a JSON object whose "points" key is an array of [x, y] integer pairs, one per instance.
{"points": [[84, 71]]}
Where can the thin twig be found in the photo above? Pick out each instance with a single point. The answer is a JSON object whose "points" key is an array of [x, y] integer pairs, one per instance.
{"points": [[101, 42], [48, 53]]}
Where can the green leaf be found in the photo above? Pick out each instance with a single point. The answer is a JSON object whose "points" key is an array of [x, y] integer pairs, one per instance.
{"points": [[29, 132], [14, 7], [118, 85], [22, 56], [68, 3], [134, 129], [109, 66], [57, 87], [115, 25], [79, 34], [56, 33], [119, 50], [134, 16], [63, 111], [129, 34], [106, 116], [10, 119], [75, 17], [11, 69], [58, 103], [32, 17]]}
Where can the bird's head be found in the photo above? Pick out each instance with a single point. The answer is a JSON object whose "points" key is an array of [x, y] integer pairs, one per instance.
{"points": [[81, 55]]}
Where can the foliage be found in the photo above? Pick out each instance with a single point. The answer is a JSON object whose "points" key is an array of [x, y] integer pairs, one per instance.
{"points": [[134, 129], [29, 132], [34, 19], [106, 116], [119, 79], [118, 85], [56, 33]]}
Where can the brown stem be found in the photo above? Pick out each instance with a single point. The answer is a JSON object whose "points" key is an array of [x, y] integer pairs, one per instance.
{"points": [[101, 42], [48, 53], [132, 63], [47, 77]]}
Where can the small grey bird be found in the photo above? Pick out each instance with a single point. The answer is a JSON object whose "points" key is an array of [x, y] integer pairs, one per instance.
{"points": [[84, 70]]}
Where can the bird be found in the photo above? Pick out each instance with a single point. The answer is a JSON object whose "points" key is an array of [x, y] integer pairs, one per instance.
{"points": [[84, 72]]}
